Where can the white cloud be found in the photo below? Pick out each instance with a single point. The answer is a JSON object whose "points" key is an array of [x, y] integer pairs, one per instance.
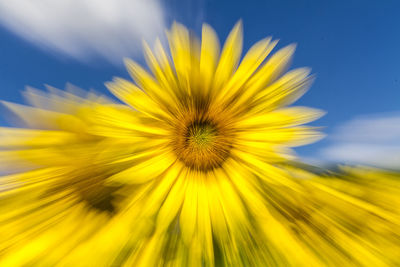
{"points": [[372, 140], [84, 29]]}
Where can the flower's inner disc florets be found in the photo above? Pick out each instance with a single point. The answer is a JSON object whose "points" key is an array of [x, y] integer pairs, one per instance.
{"points": [[201, 136], [202, 143]]}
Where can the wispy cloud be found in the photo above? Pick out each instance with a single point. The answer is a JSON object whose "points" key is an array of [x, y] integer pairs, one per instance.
{"points": [[85, 29], [372, 140]]}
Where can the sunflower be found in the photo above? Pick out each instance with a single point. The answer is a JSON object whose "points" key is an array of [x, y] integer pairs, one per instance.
{"points": [[193, 145], [204, 110], [195, 169], [213, 132], [52, 178]]}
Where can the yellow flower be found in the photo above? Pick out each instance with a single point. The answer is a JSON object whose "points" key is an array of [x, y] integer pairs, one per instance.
{"points": [[193, 154], [204, 110], [213, 130], [52, 190], [196, 170], [352, 215]]}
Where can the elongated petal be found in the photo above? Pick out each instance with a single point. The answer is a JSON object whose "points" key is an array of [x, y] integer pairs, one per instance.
{"points": [[188, 215], [136, 98], [162, 189], [186, 55], [161, 95], [251, 61], [230, 57], [294, 136], [144, 171], [265, 75], [286, 117], [172, 203], [210, 49], [284, 91], [45, 119], [17, 137], [118, 119]]}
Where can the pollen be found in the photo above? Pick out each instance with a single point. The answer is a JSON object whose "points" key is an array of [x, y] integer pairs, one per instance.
{"points": [[201, 136], [202, 142]]}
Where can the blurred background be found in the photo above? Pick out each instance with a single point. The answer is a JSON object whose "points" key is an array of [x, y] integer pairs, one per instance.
{"points": [[352, 47]]}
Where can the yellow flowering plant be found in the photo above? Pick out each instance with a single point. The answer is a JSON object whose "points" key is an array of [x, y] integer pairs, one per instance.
{"points": [[194, 169]]}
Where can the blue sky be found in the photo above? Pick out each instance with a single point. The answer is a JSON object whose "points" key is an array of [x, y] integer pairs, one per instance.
{"points": [[353, 47]]}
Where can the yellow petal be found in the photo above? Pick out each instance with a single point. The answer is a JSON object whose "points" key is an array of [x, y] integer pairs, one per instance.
{"points": [[284, 91], [46, 119], [136, 98], [294, 136], [161, 95], [166, 66], [285, 117], [231, 203], [162, 189], [210, 49], [265, 75], [272, 69], [245, 185], [217, 216], [185, 54], [251, 61], [204, 230], [288, 244], [230, 57], [173, 202], [19, 160], [270, 174], [265, 151], [35, 180], [120, 120], [228, 216], [188, 216], [144, 171], [17, 137]]}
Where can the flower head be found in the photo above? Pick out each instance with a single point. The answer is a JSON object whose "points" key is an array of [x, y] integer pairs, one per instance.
{"points": [[217, 129], [193, 171], [205, 108]]}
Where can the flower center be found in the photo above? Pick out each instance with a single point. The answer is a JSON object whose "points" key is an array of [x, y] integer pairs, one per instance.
{"points": [[202, 144], [201, 136]]}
